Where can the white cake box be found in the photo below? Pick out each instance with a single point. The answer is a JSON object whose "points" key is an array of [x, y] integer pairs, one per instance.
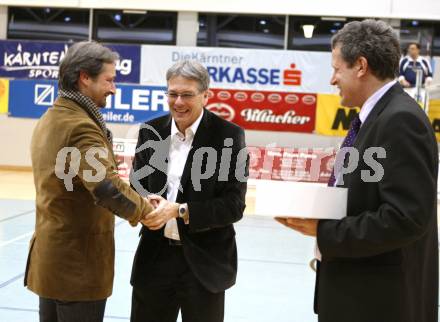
{"points": [[299, 199]]}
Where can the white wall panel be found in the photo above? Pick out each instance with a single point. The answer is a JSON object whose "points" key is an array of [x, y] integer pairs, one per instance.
{"points": [[426, 9], [187, 28], [422, 9], [41, 3], [3, 22], [436, 67], [282, 7]]}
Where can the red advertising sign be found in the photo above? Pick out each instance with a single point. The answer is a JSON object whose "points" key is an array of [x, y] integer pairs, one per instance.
{"points": [[288, 164], [266, 111], [124, 150], [266, 163]]}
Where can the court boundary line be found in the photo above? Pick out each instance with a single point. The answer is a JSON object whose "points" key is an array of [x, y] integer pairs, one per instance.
{"points": [[17, 215], [13, 240], [11, 280]]}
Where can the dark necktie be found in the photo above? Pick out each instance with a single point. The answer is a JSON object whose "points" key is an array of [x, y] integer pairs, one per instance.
{"points": [[355, 125]]}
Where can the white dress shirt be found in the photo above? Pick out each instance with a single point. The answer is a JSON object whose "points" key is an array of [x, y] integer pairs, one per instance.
{"points": [[366, 109], [179, 149]]}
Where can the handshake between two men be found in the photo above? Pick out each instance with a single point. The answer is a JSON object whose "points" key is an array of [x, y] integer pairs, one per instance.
{"points": [[163, 212]]}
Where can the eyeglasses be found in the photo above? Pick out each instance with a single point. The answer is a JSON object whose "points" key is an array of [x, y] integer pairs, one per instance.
{"points": [[184, 96]]}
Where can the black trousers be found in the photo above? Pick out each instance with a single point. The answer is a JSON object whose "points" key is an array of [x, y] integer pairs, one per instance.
{"points": [[170, 287], [61, 311]]}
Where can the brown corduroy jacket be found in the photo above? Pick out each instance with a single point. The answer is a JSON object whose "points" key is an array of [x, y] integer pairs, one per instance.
{"points": [[71, 254]]}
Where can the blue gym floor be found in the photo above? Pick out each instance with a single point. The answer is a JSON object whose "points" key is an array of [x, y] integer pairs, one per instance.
{"points": [[274, 284]]}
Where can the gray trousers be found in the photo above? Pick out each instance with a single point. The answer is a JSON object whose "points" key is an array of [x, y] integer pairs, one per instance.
{"points": [[61, 311]]}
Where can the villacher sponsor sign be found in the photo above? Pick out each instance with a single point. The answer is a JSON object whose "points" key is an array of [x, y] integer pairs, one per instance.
{"points": [[266, 111], [268, 116]]}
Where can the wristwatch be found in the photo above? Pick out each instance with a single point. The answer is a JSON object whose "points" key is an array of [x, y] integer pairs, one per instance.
{"points": [[183, 211]]}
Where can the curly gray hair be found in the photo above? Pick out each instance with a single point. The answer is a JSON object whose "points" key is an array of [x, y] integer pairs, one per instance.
{"points": [[373, 39]]}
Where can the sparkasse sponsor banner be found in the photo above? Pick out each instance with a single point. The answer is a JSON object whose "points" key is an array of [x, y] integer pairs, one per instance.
{"points": [[331, 117], [4, 95], [130, 104], [253, 69], [40, 60], [265, 110]]}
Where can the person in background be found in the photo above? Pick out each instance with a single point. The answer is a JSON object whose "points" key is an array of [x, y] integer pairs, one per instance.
{"points": [[412, 61]]}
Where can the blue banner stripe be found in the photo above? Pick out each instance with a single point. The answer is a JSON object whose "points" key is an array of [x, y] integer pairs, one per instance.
{"points": [[40, 60], [131, 103]]}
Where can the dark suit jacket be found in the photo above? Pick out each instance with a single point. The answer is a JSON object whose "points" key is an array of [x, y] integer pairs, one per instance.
{"points": [[209, 240], [380, 264]]}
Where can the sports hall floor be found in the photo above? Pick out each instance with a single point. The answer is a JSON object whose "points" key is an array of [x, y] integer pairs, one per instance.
{"points": [[274, 283]]}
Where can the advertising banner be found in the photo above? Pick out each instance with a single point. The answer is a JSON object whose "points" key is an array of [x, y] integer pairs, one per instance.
{"points": [[40, 60], [274, 163], [331, 117], [291, 164], [434, 116], [29, 98], [265, 111], [252, 69], [130, 104], [124, 150], [4, 95]]}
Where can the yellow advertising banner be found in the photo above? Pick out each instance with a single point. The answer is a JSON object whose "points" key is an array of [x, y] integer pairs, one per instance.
{"points": [[434, 116], [331, 117], [4, 95]]}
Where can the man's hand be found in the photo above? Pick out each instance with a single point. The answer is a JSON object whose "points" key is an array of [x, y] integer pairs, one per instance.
{"points": [[308, 227], [155, 200], [428, 81], [164, 211], [405, 83]]}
